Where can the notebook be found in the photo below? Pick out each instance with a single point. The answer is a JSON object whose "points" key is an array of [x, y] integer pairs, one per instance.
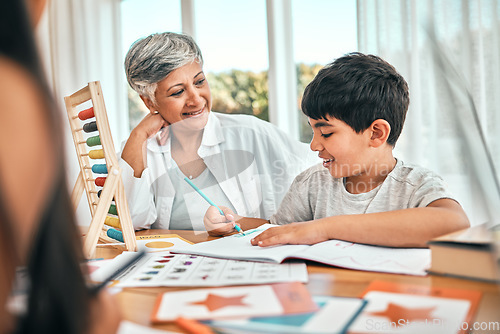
{"points": [[410, 261]]}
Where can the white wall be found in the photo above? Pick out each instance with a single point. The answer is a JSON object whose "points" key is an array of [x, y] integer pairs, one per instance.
{"points": [[79, 43]]}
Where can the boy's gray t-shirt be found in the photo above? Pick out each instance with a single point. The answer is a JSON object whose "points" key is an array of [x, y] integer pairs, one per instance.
{"points": [[315, 194]]}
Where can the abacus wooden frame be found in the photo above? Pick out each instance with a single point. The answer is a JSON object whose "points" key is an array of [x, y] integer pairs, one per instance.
{"points": [[113, 187]]}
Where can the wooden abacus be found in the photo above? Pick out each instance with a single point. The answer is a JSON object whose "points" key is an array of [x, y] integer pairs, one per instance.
{"points": [[102, 208]]}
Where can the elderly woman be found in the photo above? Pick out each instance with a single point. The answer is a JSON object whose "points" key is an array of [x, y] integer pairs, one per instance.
{"points": [[238, 161]]}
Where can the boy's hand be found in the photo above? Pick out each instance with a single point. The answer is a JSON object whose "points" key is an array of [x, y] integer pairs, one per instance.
{"points": [[305, 233], [217, 224]]}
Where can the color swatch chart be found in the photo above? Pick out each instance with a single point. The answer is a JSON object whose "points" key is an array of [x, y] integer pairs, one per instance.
{"points": [[193, 270]]}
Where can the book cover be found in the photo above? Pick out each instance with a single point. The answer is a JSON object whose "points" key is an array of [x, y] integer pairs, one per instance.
{"points": [[406, 308], [335, 314], [410, 261], [470, 253], [233, 302]]}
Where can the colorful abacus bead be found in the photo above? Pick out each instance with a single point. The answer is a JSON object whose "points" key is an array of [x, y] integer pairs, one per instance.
{"points": [[115, 234], [90, 127], [93, 141], [96, 154], [112, 210], [86, 114], [100, 169], [112, 221], [99, 181]]}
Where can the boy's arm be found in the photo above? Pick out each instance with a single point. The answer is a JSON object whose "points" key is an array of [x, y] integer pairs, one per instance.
{"points": [[411, 227]]}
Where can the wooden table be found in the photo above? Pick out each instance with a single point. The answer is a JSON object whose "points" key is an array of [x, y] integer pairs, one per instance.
{"points": [[137, 303]]}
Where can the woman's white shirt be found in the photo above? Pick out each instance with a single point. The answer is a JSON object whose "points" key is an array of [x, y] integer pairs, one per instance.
{"points": [[252, 161]]}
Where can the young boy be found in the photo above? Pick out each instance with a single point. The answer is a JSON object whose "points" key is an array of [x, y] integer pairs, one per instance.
{"points": [[356, 107]]}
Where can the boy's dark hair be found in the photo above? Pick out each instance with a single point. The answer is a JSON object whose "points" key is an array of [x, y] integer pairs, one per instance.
{"points": [[358, 89]]}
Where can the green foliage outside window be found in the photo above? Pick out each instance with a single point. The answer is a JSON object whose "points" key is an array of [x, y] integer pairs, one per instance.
{"points": [[239, 92]]}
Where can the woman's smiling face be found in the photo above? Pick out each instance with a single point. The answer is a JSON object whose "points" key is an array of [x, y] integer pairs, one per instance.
{"points": [[184, 95]]}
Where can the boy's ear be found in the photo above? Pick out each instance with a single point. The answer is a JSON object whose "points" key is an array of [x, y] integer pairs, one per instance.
{"points": [[380, 130], [151, 106]]}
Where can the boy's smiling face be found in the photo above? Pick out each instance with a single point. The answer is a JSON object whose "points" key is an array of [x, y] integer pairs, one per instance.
{"points": [[344, 152]]}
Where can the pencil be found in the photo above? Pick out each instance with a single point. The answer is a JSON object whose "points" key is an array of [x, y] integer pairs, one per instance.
{"points": [[94, 290], [203, 195], [198, 190]]}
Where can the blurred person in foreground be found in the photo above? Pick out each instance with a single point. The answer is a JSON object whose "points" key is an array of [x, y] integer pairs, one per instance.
{"points": [[37, 224]]}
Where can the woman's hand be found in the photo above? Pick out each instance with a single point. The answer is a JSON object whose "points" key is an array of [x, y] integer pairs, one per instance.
{"points": [[105, 315], [305, 233], [217, 224], [134, 152], [150, 125]]}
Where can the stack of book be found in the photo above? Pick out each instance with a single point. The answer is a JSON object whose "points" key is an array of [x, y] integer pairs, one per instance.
{"points": [[472, 253]]}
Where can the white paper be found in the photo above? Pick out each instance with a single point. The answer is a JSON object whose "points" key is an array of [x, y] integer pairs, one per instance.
{"points": [[334, 316], [417, 314], [247, 301], [156, 244], [411, 261], [190, 270]]}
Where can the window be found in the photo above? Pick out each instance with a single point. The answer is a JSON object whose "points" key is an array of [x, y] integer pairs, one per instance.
{"points": [[323, 30], [141, 18], [235, 36]]}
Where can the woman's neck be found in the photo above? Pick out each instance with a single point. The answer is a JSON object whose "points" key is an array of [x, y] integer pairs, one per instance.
{"points": [[186, 142], [185, 152]]}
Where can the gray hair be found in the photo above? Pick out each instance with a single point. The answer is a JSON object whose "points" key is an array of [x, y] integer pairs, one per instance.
{"points": [[151, 59]]}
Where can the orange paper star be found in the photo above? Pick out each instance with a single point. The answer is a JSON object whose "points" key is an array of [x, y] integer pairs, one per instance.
{"points": [[397, 312], [214, 302]]}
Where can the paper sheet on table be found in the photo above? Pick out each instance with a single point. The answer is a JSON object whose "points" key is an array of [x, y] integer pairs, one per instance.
{"points": [[160, 243], [411, 261], [192, 270], [335, 315], [234, 302]]}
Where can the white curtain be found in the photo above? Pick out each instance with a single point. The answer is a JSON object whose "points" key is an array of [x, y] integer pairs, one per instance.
{"points": [[469, 33], [80, 42]]}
